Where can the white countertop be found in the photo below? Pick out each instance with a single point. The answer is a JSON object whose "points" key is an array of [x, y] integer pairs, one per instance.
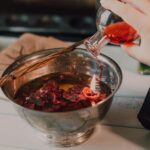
{"points": [[15, 134], [117, 132]]}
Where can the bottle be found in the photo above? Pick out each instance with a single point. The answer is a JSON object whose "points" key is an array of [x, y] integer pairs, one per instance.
{"points": [[110, 29]]}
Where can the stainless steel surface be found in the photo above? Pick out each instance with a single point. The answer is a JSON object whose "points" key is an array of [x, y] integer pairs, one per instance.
{"points": [[73, 127]]}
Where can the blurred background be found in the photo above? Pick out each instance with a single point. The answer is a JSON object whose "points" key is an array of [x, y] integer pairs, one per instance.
{"points": [[69, 20]]}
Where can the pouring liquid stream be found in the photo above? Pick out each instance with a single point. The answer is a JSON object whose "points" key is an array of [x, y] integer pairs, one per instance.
{"points": [[117, 34]]}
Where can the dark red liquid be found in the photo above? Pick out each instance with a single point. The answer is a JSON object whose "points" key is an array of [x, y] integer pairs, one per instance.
{"points": [[60, 93], [120, 33]]}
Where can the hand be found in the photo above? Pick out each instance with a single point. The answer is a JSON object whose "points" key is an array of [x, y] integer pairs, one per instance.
{"points": [[137, 14]]}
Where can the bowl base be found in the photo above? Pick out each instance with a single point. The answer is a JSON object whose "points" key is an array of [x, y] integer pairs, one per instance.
{"points": [[66, 140]]}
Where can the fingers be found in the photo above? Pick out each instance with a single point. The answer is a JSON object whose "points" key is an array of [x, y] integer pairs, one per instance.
{"points": [[127, 13], [142, 5], [137, 53], [131, 50]]}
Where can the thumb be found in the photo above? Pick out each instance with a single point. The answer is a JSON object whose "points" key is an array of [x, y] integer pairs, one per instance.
{"points": [[134, 51]]}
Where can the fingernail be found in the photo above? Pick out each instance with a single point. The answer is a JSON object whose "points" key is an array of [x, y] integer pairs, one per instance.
{"points": [[129, 44]]}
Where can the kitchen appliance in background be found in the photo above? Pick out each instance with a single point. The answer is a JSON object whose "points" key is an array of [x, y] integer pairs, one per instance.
{"points": [[70, 20]]}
